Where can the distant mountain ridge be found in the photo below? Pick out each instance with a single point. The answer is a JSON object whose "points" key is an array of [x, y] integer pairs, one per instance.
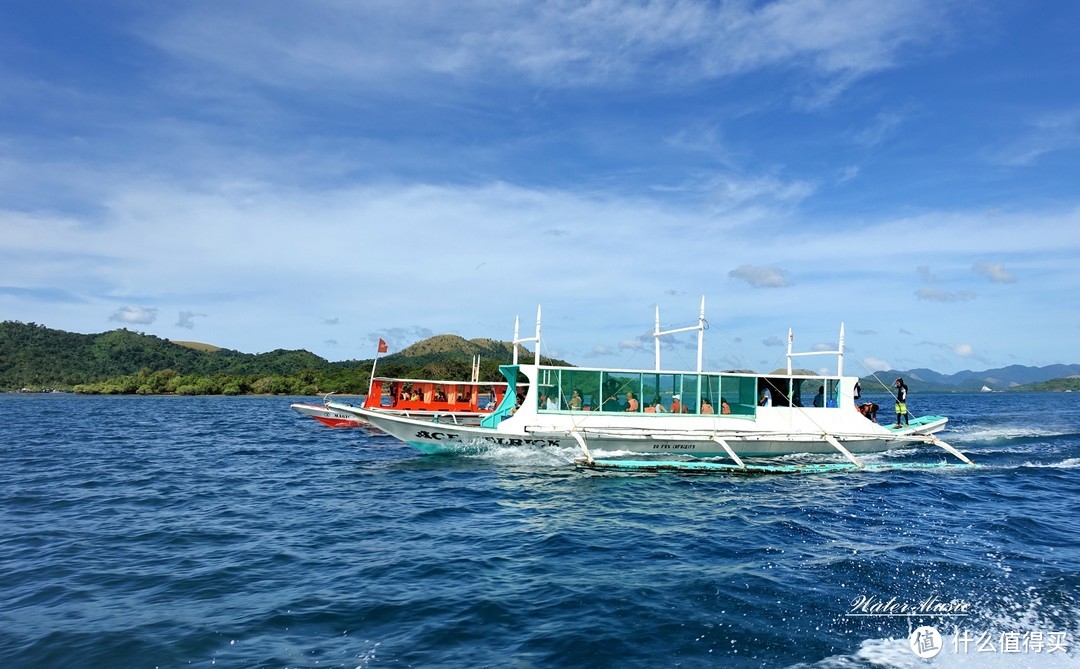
{"points": [[34, 356], [999, 378]]}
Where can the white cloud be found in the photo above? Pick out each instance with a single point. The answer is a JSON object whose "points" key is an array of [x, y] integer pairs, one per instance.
{"points": [[605, 42], [876, 364], [1049, 133], [926, 275], [994, 271], [186, 319], [761, 277], [134, 315], [962, 350], [935, 295]]}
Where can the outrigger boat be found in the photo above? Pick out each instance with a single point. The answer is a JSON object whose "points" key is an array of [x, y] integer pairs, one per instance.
{"points": [[726, 415], [455, 402], [328, 416]]}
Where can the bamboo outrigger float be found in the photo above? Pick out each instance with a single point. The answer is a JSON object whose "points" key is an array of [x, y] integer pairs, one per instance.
{"points": [[718, 419]]}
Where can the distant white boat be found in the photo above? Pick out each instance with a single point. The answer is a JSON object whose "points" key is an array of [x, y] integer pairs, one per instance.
{"points": [[986, 389]]}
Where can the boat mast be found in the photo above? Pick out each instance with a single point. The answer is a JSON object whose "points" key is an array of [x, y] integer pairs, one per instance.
{"points": [[536, 338], [839, 352], [700, 327]]}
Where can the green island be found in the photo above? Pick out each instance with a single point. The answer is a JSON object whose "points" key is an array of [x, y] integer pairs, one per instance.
{"points": [[36, 358]]}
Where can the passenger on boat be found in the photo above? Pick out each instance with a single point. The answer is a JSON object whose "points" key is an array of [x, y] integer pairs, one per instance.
{"points": [[819, 399], [657, 405], [677, 405], [901, 402], [440, 396], [517, 404], [611, 404], [706, 406], [631, 401], [575, 400], [869, 410], [724, 406], [763, 400]]}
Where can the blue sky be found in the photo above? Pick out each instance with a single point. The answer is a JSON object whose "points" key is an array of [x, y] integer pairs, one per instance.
{"points": [[318, 175]]}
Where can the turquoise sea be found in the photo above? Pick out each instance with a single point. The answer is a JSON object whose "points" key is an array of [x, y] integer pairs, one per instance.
{"points": [[233, 532]]}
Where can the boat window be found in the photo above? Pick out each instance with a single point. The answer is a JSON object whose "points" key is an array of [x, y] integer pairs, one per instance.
{"points": [[615, 385], [815, 392], [740, 393], [688, 387], [580, 390]]}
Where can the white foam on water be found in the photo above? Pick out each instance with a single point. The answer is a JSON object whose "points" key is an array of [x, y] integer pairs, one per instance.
{"points": [[526, 455], [897, 654], [1070, 463], [1019, 616], [981, 433]]}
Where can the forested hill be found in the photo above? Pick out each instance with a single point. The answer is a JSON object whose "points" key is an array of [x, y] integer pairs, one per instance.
{"points": [[36, 357]]}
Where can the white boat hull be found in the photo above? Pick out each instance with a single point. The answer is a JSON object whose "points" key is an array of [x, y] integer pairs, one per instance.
{"points": [[441, 438], [328, 416]]}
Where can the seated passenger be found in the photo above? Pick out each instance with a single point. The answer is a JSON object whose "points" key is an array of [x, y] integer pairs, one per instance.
{"points": [[819, 399], [676, 404], [631, 401], [658, 406], [724, 406], [706, 406], [575, 401]]}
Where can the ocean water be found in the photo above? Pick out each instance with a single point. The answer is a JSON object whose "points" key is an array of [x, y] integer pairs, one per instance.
{"points": [[233, 532]]}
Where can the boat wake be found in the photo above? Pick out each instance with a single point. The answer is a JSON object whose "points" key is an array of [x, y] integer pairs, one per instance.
{"points": [[1054, 625]]}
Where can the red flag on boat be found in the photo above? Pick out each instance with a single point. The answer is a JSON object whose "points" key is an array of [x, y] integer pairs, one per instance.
{"points": [[382, 346]]}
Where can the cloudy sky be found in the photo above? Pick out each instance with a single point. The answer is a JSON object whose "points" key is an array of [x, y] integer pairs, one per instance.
{"points": [[320, 174]]}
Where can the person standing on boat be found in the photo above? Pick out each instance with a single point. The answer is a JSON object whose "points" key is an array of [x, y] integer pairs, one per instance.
{"points": [[901, 402]]}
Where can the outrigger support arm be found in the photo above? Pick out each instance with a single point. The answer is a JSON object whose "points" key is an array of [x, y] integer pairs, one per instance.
{"points": [[934, 441], [730, 452], [840, 447], [584, 447]]}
